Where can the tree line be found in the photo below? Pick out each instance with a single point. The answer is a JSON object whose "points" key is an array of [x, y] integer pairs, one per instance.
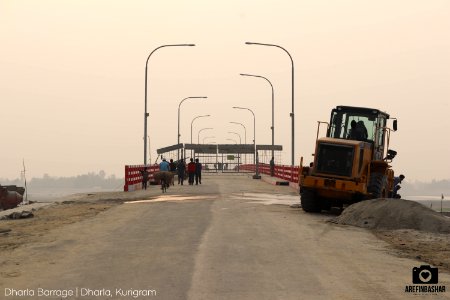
{"points": [[89, 180], [111, 182], [433, 188]]}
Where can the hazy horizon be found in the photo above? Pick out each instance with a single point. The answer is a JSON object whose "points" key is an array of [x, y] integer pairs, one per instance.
{"points": [[72, 77]]}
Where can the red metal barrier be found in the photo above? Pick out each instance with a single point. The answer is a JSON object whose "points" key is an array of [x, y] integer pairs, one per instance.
{"points": [[133, 176], [289, 173]]}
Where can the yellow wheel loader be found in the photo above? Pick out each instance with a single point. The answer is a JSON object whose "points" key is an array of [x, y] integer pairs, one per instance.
{"points": [[351, 163]]}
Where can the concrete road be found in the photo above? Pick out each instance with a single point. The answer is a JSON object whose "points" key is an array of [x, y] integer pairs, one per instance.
{"points": [[225, 239]]}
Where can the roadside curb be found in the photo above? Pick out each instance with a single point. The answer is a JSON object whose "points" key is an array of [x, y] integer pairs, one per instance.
{"points": [[279, 181]]}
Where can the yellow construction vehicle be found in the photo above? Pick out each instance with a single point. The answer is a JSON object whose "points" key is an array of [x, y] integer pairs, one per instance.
{"points": [[351, 163]]}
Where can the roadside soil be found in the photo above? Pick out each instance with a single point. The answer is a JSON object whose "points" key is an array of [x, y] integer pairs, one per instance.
{"points": [[411, 229], [24, 231], [430, 248], [69, 209]]}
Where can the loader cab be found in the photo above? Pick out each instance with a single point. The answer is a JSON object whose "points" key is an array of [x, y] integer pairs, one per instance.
{"points": [[362, 124]]}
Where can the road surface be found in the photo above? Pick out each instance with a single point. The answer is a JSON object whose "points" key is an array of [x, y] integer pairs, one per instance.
{"points": [[224, 239]]}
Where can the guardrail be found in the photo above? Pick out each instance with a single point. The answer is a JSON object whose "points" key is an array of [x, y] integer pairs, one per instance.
{"points": [[133, 176], [289, 173]]}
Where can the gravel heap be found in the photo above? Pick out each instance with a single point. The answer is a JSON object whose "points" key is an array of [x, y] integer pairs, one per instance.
{"points": [[394, 214]]}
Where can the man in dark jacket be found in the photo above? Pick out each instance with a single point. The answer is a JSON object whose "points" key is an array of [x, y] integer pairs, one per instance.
{"points": [[198, 172], [144, 174], [191, 171], [181, 170]]}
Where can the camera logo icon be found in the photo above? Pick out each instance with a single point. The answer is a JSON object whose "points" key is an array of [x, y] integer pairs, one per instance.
{"points": [[425, 274]]}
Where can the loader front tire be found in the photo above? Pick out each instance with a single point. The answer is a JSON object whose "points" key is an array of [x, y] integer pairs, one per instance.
{"points": [[377, 185], [309, 201]]}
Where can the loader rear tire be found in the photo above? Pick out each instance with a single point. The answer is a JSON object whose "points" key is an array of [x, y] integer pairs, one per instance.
{"points": [[309, 201], [377, 185]]}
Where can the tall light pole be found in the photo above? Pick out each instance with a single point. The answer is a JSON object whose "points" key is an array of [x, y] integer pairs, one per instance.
{"points": [[245, 131], [240, 141], [245, 138], [179, 106], [273, 107], [198, 137], [254, 131], [192, 122], [145, 111], [292, 88]]}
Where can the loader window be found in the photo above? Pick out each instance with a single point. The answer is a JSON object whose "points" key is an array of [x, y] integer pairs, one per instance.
{"points": [[363, 126]]}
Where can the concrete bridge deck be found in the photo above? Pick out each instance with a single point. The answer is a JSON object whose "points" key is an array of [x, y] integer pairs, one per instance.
{"points": [[232, 237]]}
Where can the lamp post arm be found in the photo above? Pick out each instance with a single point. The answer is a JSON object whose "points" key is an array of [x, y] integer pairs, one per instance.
{"points": [[146, 88], [254, 129], [245, 131], [179, 107], [198, 135], [179, 112], [292, 85]]}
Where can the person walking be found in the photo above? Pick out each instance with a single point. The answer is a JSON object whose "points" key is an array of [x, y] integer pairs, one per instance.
{"points": [[164, 165], [172, 166], [191, 171], [181, 170], [144, 174], [198, 172], [272, 167]]}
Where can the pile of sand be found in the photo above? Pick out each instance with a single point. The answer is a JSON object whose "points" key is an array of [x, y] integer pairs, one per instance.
{"points": [[394, 214]]}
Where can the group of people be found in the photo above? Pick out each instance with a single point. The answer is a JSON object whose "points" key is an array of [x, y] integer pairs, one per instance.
{"points": [[193, 170], [358, 131]]}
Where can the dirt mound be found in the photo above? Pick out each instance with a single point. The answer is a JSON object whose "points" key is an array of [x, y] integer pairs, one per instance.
{"points": [[393, 214]]}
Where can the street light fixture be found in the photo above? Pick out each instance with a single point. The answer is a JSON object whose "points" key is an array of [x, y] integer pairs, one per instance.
{"points": [[179, 106], [254, 131], [273, 107], [145, 110], [192, 122], [198, 137], [240, 141], [245, 131], [245, 138], [292, 91]]}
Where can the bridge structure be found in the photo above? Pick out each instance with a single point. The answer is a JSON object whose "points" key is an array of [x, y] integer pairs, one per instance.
{"points": [[218, 158]]}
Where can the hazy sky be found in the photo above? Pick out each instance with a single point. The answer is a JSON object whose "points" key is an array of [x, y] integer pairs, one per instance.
{"points": [[72, 77]]}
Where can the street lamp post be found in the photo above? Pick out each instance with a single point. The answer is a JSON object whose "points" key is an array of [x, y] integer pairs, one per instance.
{"points": [[179, 107], [292, 91], [145, 110], [240, 141], [256, 176], [245, 131], [192, 122], [273, 108], [245, 138], [254, 129], [198, 137]]}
